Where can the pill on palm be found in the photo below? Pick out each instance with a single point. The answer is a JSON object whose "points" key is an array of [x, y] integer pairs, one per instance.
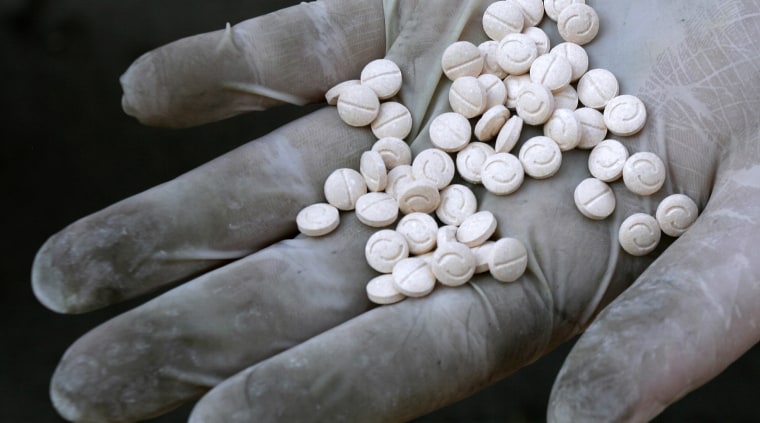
{"points": [[644, 173], [482, 253], [453, 264], [676, 213], [625, 115], [554, 7], [332, 95], [469, 162], [376, 209], [358, 105], [393, 120], [468, 97], [382, 290], [502, 18], [535, 104], [540, 157], [593, 129], [578, 23], [516, 53], [383, 76], [607, 159], [502, 174], [551, 70], [418, 196], [491, 123], [457, 204], [384, 249], [563, 127], [450, 131], [594, 199], [372, 168], [318, 219], [413, 277], [508, 260], [343, 187], [509, 135], [461, 58], [496, 91], [420, 231], [597, 87], [477, 229], [434, 165], [394, 151], [639, 234]]}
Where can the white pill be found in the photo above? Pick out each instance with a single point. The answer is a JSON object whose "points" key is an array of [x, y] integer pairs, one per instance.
{"points": [[576, 55], [489, 50], [566, 98], [594, 199], [358, 105], [491, 122], [644, 173], [535, 104], [554, 7], [543, 43], [625, 115], [496, 91], [639, 234], [508, 260], [384, 249], [467, 97], [607, 159], [450, 131], [434, 165], [477, 229], [457, 204], [482, 253], [502, 174], [502, 18], [453, 264], [446, 234], [398, 178], [413, 277], [461, 59], [516, 53], [532, 10], [382, 290], [372, 168], [540, 157], [578, 23], [332, 95], [676, 214], [509, 135], [552, 71], [318, 219], [418, 196], [597, 87], [593, 129], [514, 84], [393, 120], [383, 76], [343, 187], [470, 161], [420, 231], [394, 151], [376, 209], [563, 127]]}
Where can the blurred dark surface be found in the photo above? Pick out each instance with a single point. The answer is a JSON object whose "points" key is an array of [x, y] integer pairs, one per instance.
{"points": [[68, 150]]}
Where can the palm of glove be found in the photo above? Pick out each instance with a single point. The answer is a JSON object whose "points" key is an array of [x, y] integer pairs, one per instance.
{"points": [[694, 66]]}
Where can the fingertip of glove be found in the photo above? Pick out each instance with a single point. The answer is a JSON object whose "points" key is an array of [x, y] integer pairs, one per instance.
{"points": [[45, 281]]}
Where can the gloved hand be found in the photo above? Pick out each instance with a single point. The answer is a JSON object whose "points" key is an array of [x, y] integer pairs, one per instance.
{"points": [[280, 327]]}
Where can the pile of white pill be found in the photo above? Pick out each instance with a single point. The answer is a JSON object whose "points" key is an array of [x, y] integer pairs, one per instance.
{"points": [[514, 79]]}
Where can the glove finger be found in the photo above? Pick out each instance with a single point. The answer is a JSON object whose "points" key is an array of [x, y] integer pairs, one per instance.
{"points": [[290, 56], [221, 211], [175, 347]]}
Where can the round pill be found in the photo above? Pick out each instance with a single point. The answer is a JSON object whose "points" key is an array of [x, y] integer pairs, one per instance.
{"points": [[593, 129], [563, 127], [453, 264], [318, 219], [644, 173], [509, 135], [384, 249], [676, 213], [332, 95], [376, 209], [461, 59], [467, 97], [540, 157], [625, 115], [594, 199], [496, 91], [532, 10], [470, 161], [516, 53], [607, 159], [418, 196], [491, 122], [398, 178], [508, 260], [502, 18], [450, 131], [343, 187], [413, 277], [514, 84], [382, 290], [597, 87], [575, 55], [489, 50], [446, 234], [393, 120], [502, 174], [535, 104], [566, 98], [639, 234], [477, 229], [434, 165], [358, 105], [482, 254], [543, 43], [551, 70], [383, 76], [420, 231], [372, 168], [578, 23], [554, 7], [394, 151], [457, 204]]}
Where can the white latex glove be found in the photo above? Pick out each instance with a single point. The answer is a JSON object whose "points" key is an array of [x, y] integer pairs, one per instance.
{"points": [[280, 327]]}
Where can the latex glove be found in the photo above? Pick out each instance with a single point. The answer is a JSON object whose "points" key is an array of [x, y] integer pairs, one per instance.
{"points": [[286, 333]]}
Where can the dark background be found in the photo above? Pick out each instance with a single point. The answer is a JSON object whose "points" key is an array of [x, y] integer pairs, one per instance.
{"points": [[68, 150]]}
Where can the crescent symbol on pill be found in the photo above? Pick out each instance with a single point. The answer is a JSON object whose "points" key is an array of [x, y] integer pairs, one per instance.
{"points": [[646, 240], [502, 174], [675, 214], [537, 155], [583, 19], [626, 112], [458, 260], [646, 172]]}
